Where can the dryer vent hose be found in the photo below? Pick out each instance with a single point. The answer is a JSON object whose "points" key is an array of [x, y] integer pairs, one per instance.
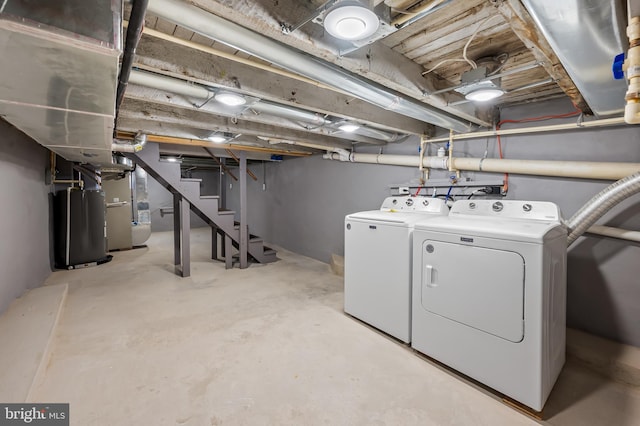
{"points": [[604, 201]]}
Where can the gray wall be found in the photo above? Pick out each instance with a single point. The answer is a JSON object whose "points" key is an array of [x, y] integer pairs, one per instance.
{"points": [[24, 214], [306, 200], [160, 197]]}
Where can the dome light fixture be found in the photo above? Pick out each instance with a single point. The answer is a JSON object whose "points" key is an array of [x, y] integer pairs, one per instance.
{"points": [[349, 127], [484, 94], [351, 20], [230, 98], [217, 138]]}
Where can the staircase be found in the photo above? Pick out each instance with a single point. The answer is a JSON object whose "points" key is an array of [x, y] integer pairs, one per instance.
{"points": [[206, 207]]}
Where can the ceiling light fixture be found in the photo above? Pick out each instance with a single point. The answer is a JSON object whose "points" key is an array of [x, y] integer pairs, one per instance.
{"points": [[230, 98], [349, 128], [217, 138], [351, 20], [484, 94], [477, 84]]}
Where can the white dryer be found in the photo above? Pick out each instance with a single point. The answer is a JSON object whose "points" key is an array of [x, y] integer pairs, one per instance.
{"points": [[489, 294], [377, 269]]}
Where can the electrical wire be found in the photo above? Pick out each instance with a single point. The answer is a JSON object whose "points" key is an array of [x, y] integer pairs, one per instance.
{"points": [[479, 191], [436, 66], [464, 50], [475, 33], [577, 112]]}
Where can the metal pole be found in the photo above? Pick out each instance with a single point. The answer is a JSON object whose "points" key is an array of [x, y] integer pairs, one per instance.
{"points": [[185, 234], [244, 230], [176, 231]]}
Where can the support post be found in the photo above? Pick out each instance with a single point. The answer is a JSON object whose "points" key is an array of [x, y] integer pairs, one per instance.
{"points": [[223, 185], [214, 243], [244, 229], [185, 238], [176, 230], [228, 252]]}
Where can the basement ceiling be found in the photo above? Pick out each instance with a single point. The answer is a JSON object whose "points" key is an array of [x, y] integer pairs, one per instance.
{"points": [[413, 69], [400, 59]]}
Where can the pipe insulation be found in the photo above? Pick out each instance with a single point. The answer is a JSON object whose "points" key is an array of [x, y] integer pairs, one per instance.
{"points": [[600, 204], [570, 169], [199, 91], [238, 37], [170, 84]]}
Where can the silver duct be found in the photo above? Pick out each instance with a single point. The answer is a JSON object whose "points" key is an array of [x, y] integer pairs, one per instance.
{"points": [[604, 201], [139, 141], [262, 47]]}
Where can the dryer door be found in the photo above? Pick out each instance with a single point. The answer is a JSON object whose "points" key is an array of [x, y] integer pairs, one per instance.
{"points": [[479, 287]]}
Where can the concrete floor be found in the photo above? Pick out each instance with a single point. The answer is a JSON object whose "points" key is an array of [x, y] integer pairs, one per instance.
{"points": [[269, 345]]}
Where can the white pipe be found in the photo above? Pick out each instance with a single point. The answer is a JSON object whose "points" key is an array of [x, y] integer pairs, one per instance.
{"points": [[169, 84], [608, 231], [571, 169], [238, 37], [537, 129]]}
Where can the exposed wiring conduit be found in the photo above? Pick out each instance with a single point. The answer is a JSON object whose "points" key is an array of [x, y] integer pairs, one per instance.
{"points": [[600, 204], [570, 169], [420, 11]]}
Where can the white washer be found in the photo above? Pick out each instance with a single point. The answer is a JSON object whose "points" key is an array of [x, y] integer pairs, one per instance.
{"points": [[489, 294], [377, 250]]}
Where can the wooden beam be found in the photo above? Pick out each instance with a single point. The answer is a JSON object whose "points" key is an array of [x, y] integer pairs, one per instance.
{"points": [[217, 160], [200, 143], [235, 157]]}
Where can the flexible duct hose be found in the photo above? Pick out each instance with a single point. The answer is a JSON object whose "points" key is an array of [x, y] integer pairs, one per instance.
{"points": [[604, 201]]}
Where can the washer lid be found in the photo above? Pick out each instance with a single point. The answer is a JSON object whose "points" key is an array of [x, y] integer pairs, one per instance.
{"points": [[390, 217]]}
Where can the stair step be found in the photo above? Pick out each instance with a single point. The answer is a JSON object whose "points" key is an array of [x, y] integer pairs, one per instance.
{"points": [[168, 175]]}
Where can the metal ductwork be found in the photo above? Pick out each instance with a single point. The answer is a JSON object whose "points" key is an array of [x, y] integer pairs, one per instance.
{"points": [[600, 204], [59, 67], [238, 37], [586, 35]]}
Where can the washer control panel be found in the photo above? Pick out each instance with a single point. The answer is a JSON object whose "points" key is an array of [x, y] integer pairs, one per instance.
{"points": [[413, 204], [512, 209]]}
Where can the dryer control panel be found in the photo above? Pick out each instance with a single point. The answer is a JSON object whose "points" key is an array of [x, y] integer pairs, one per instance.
{"points": [[508, 209], [408, 204]]}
